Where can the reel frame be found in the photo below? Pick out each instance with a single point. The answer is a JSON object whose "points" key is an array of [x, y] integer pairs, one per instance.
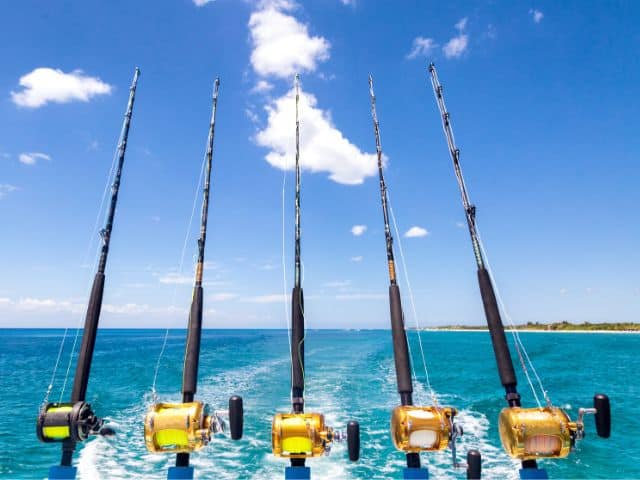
{"points": [[189, 426], [549, 432], [306, 435], [62, 421]]}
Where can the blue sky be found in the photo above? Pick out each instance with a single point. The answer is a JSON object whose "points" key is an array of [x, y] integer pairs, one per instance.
{"points": [[544, 102]]}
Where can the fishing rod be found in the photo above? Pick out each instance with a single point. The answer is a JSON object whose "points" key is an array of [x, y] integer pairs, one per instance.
{"points": [[527, 434], [414, 429], [299, 435], [183, 428], [73, 422]]}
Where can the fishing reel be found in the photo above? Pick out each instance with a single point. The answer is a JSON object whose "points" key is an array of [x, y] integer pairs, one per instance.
{"points": [[548, 432], [306, 435], [187, 427], [59, 422], [417, 429]]}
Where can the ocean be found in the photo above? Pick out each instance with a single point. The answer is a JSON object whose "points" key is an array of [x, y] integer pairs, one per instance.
{"points": [[349, 375]]}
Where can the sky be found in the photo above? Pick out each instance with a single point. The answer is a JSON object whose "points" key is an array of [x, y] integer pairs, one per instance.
{"points": [[543, 99]]}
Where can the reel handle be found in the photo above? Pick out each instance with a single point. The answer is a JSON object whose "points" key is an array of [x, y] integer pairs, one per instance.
{"points": [[236, 417], [353, 440], [603, 415], [107, 432], [474, 465]]}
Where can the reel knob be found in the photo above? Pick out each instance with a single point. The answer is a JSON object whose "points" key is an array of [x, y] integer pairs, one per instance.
{"points": [[603, 415], [353, 440], [474, 465], [236, 417]]}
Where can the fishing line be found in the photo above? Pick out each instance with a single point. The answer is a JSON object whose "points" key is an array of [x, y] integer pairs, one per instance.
{"points": [[405, 272], [284, 270], [520, 348], [101, 211], [175, 288]]}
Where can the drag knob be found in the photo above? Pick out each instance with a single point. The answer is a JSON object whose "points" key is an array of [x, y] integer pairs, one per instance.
{"points": [[236, 417], [353, 440], [603, 415], [474, 465]]}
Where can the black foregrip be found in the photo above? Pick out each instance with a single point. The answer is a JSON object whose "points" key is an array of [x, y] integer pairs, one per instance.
{"points": [[400, 347], [496, 329], [192, 352], [85, 356], [297, 343]]}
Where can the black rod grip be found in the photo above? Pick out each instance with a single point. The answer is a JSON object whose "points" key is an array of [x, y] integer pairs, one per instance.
{"points": [[236, 417], [474, 465], [192, 350], [297, 345], [353, 440], [83, 367], [400, 347], [496, 329], [603, 415]]}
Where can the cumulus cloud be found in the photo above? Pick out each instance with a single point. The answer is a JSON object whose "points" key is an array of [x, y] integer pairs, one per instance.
{"points": [[262, 86], [537, 15], [275, 298], [358, 230], [415, 232], [323, 148], [175, 279], [6, 189], [44, 85], [222, 297], [357, 258], [282, 45], [202, 3], [32, 157], [457, 45], [422, 47]]}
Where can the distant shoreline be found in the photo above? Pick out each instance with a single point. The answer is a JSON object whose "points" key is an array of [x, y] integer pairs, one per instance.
{"points": [[526, 330], [557, 327]]}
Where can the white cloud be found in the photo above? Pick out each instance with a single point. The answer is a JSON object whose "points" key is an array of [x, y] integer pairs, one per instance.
{"points": [[323, 148], [348, 2], [44, 85], [275, 298], [337, 284], [537, 15], [361, 296], [175, 279], [422, 46], [358, 230], [222, 297], [461, 224], [201, 3], [564, 291], [415, 232], [32, 157], [357, 258], [462, 24], [457, 45], [261, 87], [252, 115], [6, 189], [282, 45]]}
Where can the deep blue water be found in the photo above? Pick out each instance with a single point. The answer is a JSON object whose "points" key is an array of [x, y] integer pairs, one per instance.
{"points": [[349, 376]]}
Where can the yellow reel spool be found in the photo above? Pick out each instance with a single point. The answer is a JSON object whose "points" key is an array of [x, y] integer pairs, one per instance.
{"points": [[530, 433], [419, 429], [177, 427], [300, 435]]}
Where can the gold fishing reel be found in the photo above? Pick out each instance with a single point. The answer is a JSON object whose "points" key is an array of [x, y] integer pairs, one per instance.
{"points": [[187, 427], [548, 432], [416, 429], [306, 435], [422, 429], [59, 422]]}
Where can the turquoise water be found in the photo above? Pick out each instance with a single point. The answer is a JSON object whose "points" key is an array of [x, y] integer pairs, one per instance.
{"points": [[349, 376]]}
